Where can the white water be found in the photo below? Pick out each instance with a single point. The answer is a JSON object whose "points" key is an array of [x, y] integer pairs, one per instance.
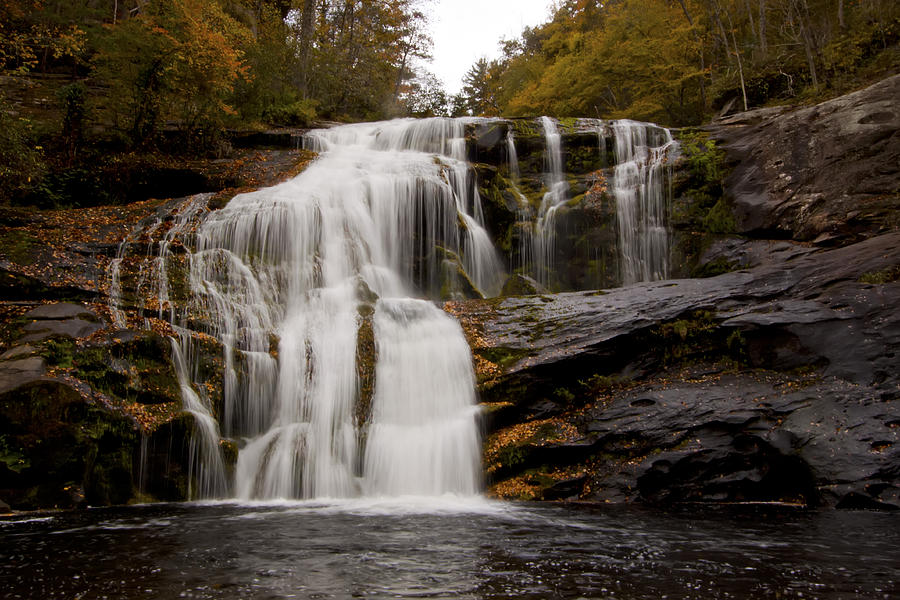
{"points": [[421, 438], [524, 213], [641, 188], [282, 277], [279, 277], [544, 253]]}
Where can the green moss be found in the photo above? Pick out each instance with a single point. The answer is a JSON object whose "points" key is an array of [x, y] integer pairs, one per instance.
{"points": [[12, 456], [702, 205], [58, 351], [597, 383], [567, 124], [512, 456], [888, 275], [20, 247], [706, 161], [584, 159], [564, 395], [719, 218], [698, 337], [503, 357]]}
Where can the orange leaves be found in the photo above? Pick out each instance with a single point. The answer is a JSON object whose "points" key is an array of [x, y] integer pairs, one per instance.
{"points": [[598, 182]]}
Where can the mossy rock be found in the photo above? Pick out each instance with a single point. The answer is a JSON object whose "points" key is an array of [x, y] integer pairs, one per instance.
{"points": [[455, 283], [164, 460], [521, 285], [74, 451]]}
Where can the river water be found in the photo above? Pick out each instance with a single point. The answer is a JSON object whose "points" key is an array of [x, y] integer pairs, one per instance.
{"points": [[447, 549]]}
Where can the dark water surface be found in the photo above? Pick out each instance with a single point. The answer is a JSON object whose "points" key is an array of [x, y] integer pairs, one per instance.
{"points": [[475, 550]]}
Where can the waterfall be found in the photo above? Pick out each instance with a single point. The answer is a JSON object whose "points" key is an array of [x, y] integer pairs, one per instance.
{"points": [[524, 213], [641, 189], [288, 279], [557, 193], [421, 438]]}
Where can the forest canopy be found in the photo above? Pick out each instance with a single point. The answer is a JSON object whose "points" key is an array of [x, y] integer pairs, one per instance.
{"points": [[173, 77], [678, 61], [205, 63]]}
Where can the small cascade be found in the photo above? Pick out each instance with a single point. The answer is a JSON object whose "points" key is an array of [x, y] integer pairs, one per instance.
{"points": [[641, 186], [206, 464], [207, 467], [421, 439], [524, 213], [556, 195]]}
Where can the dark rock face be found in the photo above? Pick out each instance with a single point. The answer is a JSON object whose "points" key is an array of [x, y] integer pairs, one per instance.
{"points": [[828, 173], [74, 405], [797, 366]]}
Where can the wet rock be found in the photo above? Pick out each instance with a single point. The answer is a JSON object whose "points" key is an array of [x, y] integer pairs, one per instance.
{"points": [[16, 373], [455, 283], [18, 352], [809, 408], [71, 328], [60, 311], [521, 285], [70, 450], [827, 173], [565, 489]]}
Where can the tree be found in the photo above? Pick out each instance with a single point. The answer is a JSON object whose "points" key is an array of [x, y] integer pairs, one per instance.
{"points": [[177, 59], [479, 89], [425, 96]]}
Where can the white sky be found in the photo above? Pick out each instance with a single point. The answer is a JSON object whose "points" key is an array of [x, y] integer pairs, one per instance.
{"points": [[465, 30]]}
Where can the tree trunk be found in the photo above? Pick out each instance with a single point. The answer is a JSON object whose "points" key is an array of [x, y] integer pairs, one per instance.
{"points": [[749, 10], [400, 73], [809, 43], [841, 22], [737, 51], [696, 36], [762, 27], [714, 9], [307, 27]]}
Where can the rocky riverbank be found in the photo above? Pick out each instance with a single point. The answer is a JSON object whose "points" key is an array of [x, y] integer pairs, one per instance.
{"points": [[770, 376]]}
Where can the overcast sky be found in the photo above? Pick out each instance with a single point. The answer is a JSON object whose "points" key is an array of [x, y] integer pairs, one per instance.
{"points": [[465, 30]]}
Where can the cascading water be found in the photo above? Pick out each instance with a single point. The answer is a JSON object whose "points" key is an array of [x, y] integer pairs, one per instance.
{"points": [[557, 193], [524, 213], [287, 279], [641, 189], [421, 438]]}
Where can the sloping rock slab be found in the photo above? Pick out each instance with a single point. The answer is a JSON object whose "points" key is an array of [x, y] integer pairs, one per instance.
{"points": [[810, 415], [813, 305], [828, 173]]}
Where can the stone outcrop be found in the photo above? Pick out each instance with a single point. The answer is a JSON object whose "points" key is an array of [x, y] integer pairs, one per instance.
{"points": [[76, 399], [735, 387], [826, 173]]}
